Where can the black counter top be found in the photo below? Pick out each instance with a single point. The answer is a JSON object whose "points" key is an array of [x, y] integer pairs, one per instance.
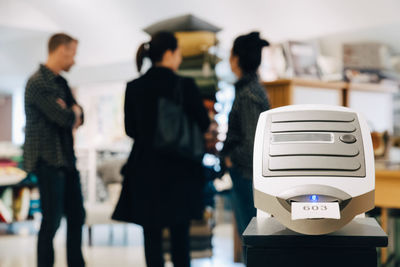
{"points": [[268, 232]]}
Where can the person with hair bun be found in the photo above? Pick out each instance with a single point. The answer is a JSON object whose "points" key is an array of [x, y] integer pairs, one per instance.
{"points": [[160, 191], [250, 101]]}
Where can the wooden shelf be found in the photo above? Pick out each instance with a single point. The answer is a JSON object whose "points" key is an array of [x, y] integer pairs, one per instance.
{"points": [[277, 82], [280, 92]]}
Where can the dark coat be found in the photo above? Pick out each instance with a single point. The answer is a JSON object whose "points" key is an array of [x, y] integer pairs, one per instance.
{"points": [[250, 101], [157, 189]]}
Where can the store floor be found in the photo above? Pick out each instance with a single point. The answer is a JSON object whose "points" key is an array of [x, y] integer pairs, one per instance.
{"points": [[110, 248]]}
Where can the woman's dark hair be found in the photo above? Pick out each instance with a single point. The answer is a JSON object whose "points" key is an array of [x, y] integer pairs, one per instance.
{"points": [[248, 48], [160, 43]]}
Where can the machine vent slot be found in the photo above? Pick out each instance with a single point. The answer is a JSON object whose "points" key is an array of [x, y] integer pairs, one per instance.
{"points": [[307, 126], [341, 150], [310, 163], [323, 115]]}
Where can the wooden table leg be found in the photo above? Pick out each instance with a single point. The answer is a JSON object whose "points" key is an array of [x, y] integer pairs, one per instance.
{"points": [[384, 218], [237, 244], [90, 235]]}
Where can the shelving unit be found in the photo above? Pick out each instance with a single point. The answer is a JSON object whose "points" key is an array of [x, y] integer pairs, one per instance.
{"points": [[24, 204], [280, 92], [10, 180], [19, 196]]}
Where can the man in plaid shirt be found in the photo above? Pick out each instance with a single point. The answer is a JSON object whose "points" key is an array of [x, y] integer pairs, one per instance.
{"points": [[51, 115]]}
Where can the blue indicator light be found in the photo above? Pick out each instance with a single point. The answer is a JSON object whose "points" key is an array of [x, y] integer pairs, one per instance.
{"points": [[314, 198]]}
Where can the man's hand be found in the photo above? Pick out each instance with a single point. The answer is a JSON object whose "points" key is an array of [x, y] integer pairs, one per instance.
{"points": [[228, 162], [76, 109], [78, 115], [61, 103]]}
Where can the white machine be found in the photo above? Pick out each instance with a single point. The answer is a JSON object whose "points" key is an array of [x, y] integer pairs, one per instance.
{"points": [[313, 167]]}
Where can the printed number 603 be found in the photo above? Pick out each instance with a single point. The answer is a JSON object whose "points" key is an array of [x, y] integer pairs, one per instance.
{"points": [[315, 207]]}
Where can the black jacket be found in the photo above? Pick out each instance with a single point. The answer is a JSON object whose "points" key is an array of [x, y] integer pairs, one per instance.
{"points": [[157, 189], [250, 101]]}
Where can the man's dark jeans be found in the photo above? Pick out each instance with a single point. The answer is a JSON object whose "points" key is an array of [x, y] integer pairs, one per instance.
{"points": [[60, 194]]}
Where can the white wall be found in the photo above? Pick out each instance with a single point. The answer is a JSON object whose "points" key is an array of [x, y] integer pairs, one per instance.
{"points": [[18, 117], [22, 15], [304, 95], [109, 31], [103, 108], [376, 107]]}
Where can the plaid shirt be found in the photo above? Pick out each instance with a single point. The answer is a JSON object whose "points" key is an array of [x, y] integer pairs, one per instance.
{"points": [[250, 101], [48, 131]]}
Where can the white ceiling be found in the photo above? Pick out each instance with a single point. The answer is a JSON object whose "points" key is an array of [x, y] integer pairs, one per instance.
{"points": [[109, 31]]}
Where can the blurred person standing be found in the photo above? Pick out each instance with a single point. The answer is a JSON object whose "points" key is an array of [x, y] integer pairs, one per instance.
{"points": [[250, 101], [52, 114], [161, 190]]}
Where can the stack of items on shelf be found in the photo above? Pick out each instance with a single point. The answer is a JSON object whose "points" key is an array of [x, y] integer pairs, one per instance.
{"points": [[197, 41], [197, 61], [302, 59], [19, 200], [18, 203], [6, 211], [381, 144], [10, 159], [299, 59], [369, 63], [199, 64]]}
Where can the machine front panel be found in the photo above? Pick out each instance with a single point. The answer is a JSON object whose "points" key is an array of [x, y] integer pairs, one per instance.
{"points": [[304, 143]]}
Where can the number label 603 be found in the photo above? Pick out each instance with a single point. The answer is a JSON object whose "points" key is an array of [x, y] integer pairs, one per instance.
{"points": [[315, 207]]}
